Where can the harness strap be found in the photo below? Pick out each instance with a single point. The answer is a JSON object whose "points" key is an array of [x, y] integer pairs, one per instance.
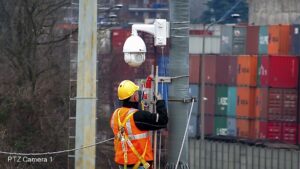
{"points": [[141, 159], [143, 155], [124, 139]]}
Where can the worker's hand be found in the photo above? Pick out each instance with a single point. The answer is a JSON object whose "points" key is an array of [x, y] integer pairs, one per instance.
{"points": [[158, 96]]}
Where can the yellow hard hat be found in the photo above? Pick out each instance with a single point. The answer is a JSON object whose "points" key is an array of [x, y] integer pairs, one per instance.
{"points": [[126, 89]]}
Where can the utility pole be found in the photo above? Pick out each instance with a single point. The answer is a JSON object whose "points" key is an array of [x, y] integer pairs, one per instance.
{"points": [[86, 85], [178, 89]]}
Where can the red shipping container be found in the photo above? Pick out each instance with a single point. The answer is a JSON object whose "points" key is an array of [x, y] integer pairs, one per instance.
{"points": [[209, 124], [226, 70], [283, 71], [261, 103], [232, 70], [252, 40], [118, 37], [246, 70], [289, 133], [274, 131], [210, 92], [290, 101], [298, 132], [210, 69], [282, 104], [245, 102], [260, 129], [194, 68], [274, 104], [222, 68]]}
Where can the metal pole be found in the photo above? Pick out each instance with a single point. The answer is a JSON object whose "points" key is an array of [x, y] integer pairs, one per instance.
{"points": [[86, 85], [202, 92], [178, 89]]}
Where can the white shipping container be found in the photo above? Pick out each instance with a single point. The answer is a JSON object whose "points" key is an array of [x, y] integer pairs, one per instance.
{"points": [[212, 45]]}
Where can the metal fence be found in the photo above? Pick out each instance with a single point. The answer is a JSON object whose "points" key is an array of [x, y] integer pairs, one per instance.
{"points": [[220, 155]]}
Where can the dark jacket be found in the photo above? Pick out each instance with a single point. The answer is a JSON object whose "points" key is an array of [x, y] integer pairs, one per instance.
{"points": [[145, 120]]}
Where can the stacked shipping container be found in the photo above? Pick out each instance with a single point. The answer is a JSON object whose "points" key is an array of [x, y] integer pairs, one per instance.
{"points": [[251, 79], [255, 83]]}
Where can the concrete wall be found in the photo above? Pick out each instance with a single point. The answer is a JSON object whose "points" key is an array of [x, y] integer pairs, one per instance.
{"points": [[263, 12]]}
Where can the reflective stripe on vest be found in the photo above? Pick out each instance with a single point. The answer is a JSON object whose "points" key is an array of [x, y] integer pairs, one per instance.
{"points": [[128, 125]]}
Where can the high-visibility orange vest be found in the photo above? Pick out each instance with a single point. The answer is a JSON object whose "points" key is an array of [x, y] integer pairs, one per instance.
{"points": [[138, 138]]}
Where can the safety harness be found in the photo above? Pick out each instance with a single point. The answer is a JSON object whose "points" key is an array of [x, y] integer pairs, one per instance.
{"points": [[125, 141]]}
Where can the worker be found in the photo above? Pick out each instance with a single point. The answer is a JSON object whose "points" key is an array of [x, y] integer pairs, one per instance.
{"points": [[131, 127]]}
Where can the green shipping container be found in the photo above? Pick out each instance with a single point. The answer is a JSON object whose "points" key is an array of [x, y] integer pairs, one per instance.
{"points": [[220, 125], [221, 100]]}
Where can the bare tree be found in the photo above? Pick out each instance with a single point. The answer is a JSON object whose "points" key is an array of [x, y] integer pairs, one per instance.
{"points": [[34, 66]]}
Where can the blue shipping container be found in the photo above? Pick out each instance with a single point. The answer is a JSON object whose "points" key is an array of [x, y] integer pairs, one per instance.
{"points": [[263, 40], [231, 126], [231, 109], [295, 32], [162, 63]]}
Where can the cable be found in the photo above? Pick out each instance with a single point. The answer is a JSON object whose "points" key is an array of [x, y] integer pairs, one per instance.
{"points": [[185, 133], [55, 152]]}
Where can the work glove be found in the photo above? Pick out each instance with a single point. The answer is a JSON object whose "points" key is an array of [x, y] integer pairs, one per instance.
{"points": [[158, 97]]}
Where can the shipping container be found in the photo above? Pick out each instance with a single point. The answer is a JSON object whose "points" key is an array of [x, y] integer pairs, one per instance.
{"points": [[232, 102], [212, 40], [260, 129], [226, 39], [212, 45], [246, 70], [210, 69], [274, 104], [252, 40], [209, 124], [222, 66], [263, 40], [221, 100], [289, 132], [245, 102], [194, 68], [121, 70], [245, 128], [261, 103], [298, 132], [290, 101], [273, 47], [274, 131], [232, 70], [231, 126], [118, 37], [220, 127], [279, 39], [239, 40], [295, 39], [226, 69], [283, 71], [263, 71], [210, 92], [277, 71]]}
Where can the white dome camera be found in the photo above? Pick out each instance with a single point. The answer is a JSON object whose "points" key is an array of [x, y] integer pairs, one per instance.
{"points": [[134, 51]]}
